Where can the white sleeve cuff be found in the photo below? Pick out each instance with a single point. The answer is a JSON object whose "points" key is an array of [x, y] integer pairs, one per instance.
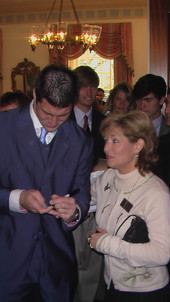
{"points": [[14, 204]]}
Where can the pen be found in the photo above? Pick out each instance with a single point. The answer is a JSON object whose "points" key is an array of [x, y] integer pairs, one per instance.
{"points": [[72, 193]]}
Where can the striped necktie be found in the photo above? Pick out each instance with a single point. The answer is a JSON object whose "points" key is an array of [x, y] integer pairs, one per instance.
{"points": [[86, 124]]}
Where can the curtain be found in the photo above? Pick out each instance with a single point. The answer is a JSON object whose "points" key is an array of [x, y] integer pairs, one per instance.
{"points": [[115, 43]]}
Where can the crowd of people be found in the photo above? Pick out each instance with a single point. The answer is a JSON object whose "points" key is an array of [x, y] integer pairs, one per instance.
{"points": [[84, 188]]}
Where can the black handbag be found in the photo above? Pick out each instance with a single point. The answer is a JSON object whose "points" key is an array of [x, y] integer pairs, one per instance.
{"points": [[137, 232]]}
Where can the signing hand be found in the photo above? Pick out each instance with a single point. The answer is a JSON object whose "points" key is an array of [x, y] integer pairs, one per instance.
{"points": [[63, 207], [33, 201]]}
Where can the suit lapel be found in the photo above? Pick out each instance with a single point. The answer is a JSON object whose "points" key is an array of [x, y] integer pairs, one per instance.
{"points": [[27, 138]]}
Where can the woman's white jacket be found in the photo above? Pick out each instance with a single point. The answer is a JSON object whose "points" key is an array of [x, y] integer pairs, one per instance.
{"points": [[139, 267]]}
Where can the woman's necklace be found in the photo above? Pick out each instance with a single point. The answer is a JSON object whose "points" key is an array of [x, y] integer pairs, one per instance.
{"points": [[129, 191], [125, 203]]}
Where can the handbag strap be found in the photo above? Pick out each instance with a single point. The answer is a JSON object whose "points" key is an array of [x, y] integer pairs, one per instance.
{"points": [[124, 222]]}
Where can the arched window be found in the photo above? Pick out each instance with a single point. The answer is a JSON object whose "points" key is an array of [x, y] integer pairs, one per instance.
{"points": [[103, 67]]}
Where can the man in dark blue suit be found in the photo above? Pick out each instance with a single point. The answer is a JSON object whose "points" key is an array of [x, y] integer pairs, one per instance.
{"points": [[37, 179]]}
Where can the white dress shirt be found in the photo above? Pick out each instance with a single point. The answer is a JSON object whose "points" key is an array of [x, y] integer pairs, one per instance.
{"points": [[79, 114]]}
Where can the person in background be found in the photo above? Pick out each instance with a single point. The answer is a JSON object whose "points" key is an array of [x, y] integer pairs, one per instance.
{"points": [[11, 100], [119, 99], [83, 112], [90, 264], [133, 212], [100, 94], [46, 160], [162, 168], [99, 104], [167, 107], [150, 94]]}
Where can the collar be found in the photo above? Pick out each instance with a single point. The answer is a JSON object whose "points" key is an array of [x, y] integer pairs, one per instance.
{"points": [[38, 126], [79, 114], [130, 181]]}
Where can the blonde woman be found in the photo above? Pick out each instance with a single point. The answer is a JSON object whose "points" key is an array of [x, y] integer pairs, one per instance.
{"points": [[133, 213]]}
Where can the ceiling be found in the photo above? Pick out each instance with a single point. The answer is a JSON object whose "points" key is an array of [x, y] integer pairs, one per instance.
{"points": [[30, 6]]}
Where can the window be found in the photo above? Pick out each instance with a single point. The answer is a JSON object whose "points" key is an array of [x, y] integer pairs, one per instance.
{"points": [[103, 67]]}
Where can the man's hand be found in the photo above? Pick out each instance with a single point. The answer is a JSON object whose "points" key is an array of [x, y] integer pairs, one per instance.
{"points": [[33, 201], [63, 207]]}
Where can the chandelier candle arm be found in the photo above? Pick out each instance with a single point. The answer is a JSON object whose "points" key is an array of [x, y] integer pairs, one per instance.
{"points": [[57, 34]]}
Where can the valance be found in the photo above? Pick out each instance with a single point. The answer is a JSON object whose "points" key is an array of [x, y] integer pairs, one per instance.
{"points": [[115, 43]]}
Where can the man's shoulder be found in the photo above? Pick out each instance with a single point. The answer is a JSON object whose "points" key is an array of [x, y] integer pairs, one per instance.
{"points": [[164, 146], [164, 128], [97, 118], [73, 129], [98, 114], [13, 115], [77, 136], [164, 140]]}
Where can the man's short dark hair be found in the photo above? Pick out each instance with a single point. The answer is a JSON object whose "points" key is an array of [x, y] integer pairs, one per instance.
{"points": [[57, 84], [100, 89], [16, 97], [87, 76], [149, 83]]}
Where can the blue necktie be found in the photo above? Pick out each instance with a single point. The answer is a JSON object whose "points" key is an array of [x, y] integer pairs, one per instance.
{"points": [[43, 135]]}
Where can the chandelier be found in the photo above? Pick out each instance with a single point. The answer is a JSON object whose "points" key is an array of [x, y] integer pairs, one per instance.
{"points": [[57, 34]]}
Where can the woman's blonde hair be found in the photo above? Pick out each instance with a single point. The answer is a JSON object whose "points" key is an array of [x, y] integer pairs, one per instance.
{"points": [[136, 125]]}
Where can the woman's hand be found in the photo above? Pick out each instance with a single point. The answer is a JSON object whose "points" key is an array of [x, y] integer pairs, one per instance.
{"points": [[93, 237]]}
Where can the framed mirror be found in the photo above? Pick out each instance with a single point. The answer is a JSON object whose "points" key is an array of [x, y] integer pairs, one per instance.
{"points": [[23, 76]]}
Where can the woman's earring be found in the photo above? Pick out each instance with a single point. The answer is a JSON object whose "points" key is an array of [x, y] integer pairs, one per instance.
{"points": [[136, 155]]}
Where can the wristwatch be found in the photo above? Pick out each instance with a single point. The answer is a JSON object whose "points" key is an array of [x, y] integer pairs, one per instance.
{"points": [[76, 216]]}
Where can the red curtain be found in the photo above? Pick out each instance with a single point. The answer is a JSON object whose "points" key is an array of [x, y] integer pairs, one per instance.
{"points": [[115, 43]]}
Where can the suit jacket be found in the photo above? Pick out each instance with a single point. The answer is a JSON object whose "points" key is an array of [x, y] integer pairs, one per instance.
{"points": [[22, 167], [97, 118], [164, 129], [162, 168], [90, 264]]}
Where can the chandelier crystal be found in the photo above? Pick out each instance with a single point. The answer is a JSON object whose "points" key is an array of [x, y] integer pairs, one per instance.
{"points": [[57, 34]]}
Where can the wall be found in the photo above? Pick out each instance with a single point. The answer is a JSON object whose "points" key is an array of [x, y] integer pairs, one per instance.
{"points": [[140, 48], [16, 48]]}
